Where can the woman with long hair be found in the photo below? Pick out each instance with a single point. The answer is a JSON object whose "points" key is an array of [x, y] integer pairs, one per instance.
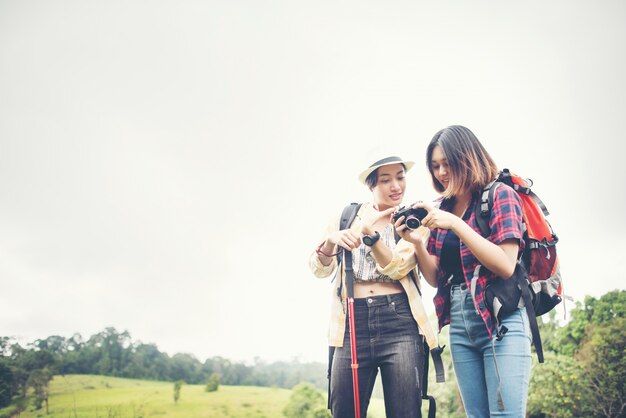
{"points": [[493, 375]]}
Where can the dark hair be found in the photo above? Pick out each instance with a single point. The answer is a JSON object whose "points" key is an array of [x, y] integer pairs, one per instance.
{"points": [[372, 179], [471, 166]]}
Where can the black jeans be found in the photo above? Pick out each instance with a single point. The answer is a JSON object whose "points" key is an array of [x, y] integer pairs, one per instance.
{"points": [[387, 339]]}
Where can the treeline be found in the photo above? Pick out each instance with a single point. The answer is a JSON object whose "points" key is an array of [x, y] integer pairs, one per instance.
{"points": [[584, 374], [113, 353]]}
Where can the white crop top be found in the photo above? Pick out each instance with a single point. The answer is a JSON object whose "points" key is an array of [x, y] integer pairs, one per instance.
{"points": [[364, 263]]}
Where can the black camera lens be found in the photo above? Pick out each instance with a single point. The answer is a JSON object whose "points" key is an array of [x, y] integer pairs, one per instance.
{"points": [[413, 217], [412, 222]]}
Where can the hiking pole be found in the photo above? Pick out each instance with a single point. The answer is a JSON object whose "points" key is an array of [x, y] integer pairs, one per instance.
{"points": [[353, 356]]}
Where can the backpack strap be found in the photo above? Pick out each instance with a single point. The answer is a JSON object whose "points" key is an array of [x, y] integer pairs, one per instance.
{"points": [[347, 217], [484, 207], [432, 404], [331, 354], [532, 318]]}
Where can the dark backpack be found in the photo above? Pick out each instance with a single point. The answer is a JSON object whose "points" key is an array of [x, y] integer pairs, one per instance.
{"points": [[347, 217], [537, 278]]}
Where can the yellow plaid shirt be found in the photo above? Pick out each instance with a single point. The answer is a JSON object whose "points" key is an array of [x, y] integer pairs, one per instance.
{"points": [[403, 261]]}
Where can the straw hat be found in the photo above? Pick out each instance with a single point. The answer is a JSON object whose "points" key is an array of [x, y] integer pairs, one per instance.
{"points": [[380, 163]]}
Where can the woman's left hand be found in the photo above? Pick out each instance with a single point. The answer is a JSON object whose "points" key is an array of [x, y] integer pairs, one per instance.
{"points": [[436, 217], [368, 225]]}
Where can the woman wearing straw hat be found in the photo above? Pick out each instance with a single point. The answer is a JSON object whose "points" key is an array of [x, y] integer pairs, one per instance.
{"points": [[389, 318]]}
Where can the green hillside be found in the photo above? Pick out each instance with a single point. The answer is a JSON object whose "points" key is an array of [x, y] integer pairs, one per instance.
{"points": [[89, 396], [101, 396]]}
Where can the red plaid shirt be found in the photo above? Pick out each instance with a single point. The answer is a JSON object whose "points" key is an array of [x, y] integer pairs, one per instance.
{"points": [[505, 223]]}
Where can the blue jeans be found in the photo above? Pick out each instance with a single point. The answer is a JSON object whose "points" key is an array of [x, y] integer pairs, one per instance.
{"points": [[387, 339], [475, 365]]}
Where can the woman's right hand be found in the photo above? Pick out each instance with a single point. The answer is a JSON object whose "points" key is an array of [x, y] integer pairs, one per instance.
{"points": [[410, 235], [426, 263], [437, 218], [346, 239]]}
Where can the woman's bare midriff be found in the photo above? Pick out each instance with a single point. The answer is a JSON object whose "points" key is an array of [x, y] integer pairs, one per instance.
{"points": [[364, 290]]}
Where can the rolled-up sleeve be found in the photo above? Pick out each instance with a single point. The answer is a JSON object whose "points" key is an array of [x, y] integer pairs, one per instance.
{"points": [[320, 270], [316, 266], [403, 258]]}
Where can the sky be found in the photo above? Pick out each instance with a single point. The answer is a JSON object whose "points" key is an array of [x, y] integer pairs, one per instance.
{"points": [[167, 167]]}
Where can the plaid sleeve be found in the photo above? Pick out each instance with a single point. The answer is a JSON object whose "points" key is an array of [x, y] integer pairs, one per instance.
{"points": [[506, 215], [432, 241]]}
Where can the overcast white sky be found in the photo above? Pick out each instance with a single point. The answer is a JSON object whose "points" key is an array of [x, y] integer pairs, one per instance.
{"points": [[166, 167]]}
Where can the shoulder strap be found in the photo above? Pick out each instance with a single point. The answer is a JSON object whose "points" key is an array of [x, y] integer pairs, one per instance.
{"points": [[347, 217], [484, 207]]}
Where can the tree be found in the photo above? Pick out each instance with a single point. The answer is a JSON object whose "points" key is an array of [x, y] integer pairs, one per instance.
{"points": [[6, 384], [306, 402], [603, 353], [186, 367], [587, 375], [558, 388], [213, 383], [39, 380], [594, 311], [177, 386]]}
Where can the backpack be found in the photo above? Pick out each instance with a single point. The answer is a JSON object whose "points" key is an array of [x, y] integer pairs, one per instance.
{"points": [[537, 277], [347, 217]]}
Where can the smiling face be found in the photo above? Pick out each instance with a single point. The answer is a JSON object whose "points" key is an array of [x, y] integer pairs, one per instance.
{"points": [[439, 167], [389, 189]]}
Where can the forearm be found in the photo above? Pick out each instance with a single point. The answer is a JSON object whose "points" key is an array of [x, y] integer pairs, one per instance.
{"points": [[382, 254], [426, 263], [325, 254], [499, 259]]}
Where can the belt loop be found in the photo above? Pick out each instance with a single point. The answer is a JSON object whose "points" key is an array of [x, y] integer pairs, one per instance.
{"points": [[388, 299]]}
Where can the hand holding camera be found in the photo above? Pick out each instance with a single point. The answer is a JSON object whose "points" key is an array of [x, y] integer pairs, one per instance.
{"points": [[413, 217], [427, 215], [407, 221]]}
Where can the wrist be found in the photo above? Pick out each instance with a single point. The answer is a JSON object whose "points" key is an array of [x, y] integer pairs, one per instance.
{"points": [[456, 224], [323, 250], [370, 240]]}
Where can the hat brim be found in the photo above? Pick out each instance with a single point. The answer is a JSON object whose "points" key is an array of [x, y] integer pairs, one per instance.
{"points": [[385, 161]]}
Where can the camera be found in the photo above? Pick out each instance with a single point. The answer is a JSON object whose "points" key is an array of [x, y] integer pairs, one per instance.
{"points": [[412, 217]]}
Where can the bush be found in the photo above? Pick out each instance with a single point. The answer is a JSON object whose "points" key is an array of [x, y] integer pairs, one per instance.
{"points": [[306, 402], [213, 383], [177, 386], [558, 388]]}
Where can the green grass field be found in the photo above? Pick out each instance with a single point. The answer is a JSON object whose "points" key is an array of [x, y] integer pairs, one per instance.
{"points": [[82, 396]]}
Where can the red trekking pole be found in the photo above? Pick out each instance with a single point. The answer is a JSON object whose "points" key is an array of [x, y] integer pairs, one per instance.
{"points": [[355, 364]]}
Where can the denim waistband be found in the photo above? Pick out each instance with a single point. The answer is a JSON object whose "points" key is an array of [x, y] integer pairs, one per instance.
{"points": [[381, 300]]}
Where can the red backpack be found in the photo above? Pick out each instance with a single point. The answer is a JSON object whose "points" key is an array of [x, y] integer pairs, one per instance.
{"points": [[537, 278]]}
